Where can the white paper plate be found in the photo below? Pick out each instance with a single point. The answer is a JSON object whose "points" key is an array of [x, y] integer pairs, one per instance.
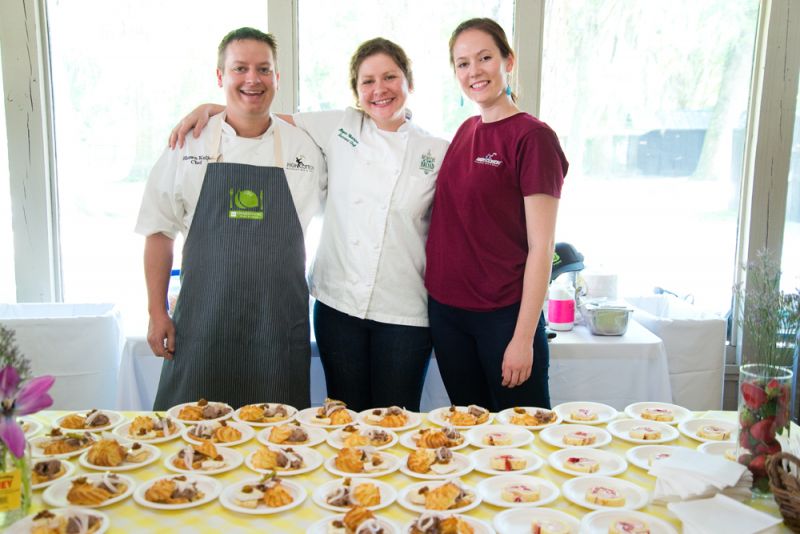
{"points": [[175, 410], [718, 448], [519, 520], [407, 441], [320, 494], [291, 410], [309, 417], [390, 462], [297, 492], [37, 452], [478, 526], [605, 413], [463, 465], [210, 487], [691, 427], [574, 490], [311, 458], [114, 419], [25, 525], [56, 495], [490, 490], [621, 429], [232, 459], [335, 438], [504, 417], [414, 420], [679, 412], [122, 432], [402, 498], [437, 417], [29, 426], [153, 456], [321, 526], [482, 461], [611, 464], [519, 436], [69, 469], [598, 522], [640, 456], [315, 437], [246, 430], [554, 435]]}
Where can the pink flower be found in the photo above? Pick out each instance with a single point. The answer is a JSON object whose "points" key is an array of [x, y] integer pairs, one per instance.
{"points": [[15, 401]]}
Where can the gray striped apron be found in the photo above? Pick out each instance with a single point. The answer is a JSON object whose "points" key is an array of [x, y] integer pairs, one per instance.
{"points": [[242, 332]]}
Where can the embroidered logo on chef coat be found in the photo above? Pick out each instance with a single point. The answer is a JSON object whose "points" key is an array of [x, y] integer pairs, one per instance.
{"points": [[196, 160], [299, 165], [246, 204], [488, 159], [427, 163], [347, 136]]}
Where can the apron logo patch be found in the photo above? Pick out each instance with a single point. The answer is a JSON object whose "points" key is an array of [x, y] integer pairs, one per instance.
{"points": [[427, 163], [246, 204], [299, 165], [347, 136]]}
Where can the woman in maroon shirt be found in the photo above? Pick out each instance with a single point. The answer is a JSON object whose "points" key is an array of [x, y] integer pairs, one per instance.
{"points": [[490, 246]]}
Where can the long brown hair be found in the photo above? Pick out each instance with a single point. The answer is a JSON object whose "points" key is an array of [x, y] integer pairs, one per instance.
{"points": [[379, 45]]}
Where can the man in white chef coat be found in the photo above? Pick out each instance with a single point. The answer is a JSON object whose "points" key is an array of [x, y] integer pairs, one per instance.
{"points": [[242, 194]]}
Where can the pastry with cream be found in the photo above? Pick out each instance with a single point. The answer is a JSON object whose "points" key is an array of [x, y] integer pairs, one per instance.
{"points": [[549, 526], [604, 496], [657, 456], [658, 414], [628, 526], [333, 412], [517, 493], [714, 432], [507, 462], [583, 414], [497, 439], [269, 492], [581, 464], [646, 433], [579, 438]]}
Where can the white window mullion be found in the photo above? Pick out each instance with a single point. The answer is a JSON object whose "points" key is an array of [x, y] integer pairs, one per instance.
{"points": [[28, 111], [282, 23], [528, 45]]}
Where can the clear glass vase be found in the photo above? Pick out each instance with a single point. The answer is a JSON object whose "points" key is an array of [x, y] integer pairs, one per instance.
{"points": [[15, 485], [764, 408]]}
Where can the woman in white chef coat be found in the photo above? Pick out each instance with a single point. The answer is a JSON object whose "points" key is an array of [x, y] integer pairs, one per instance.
{"points": [[370, 317]]}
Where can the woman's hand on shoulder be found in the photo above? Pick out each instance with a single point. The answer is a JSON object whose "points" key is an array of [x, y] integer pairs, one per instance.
{"points": [[517, 362], [196, 120]]}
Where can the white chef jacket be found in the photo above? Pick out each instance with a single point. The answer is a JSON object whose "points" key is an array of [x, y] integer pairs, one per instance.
{"points": [[371, 258], [173, 187]]}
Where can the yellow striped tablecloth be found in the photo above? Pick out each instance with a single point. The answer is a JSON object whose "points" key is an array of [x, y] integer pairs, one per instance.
{"points": [[127, 516]]}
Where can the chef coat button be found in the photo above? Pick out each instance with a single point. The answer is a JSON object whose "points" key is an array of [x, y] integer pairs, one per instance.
{"points": [[383, 207], [358, 201], [355, 241]]}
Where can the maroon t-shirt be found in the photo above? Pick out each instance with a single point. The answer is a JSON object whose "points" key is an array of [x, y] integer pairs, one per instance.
{"points": [[478, 245]]}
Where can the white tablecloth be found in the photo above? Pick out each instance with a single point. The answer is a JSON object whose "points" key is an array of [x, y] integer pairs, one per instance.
{"points": [[616, 370]]}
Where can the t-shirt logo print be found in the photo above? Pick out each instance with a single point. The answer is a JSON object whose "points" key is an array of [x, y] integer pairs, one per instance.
{"points": [[488, 159], [245, 204], [427, 163]]}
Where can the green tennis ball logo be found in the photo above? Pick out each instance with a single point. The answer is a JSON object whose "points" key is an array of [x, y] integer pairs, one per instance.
{"points": [[246, 199]]}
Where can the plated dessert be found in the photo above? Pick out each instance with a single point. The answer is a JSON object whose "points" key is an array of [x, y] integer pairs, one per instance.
{"points": [[641, 431], [67, 521], [624, 522], [174, 490], [579, 438], [470, 416], [598, 492], [267, 495], [707, 429], [433, 438], [154, 428], [449, 495], [93, 420], [532, 417], [291, 434], [361, 436], [391, 417], [604, 496], [89, 490], [499, 436], [219, 432], [536, 521], [359, 461], [288, 461], [332, 413], [584, 461], [109, 454], [358, 520], [45, 472], [584, 412], [431, 523], [510, 491], [61, 445], [266, 413], [661, 412], [202, 410], [202, 457], [505, 461], [365, 494]]}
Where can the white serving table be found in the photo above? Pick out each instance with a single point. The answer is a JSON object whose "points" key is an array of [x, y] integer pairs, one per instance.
{"points": [[616, 370]]}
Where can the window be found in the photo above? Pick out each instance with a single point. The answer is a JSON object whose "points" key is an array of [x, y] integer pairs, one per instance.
{"points": [[790, 259], [329, 33], [7, 279], [123, 73], [650, 107]]}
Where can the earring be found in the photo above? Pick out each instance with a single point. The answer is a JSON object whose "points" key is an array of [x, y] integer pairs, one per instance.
{"points": [[461, 101], [508, 90]]}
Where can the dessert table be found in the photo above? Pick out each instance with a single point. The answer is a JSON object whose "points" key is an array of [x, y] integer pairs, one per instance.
{"points": [[615, 370], [127, 516]]}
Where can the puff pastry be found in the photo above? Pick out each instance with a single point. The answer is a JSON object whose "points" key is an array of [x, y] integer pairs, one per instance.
{"points": [[292, 434], [176, 490], [191, 412], [421, 460], [366, 494], [59, 443], [73, 421], [522, 417], [84, 493], [47, 522], [226, 434], [275, 494], [429, 523], [355, 517], [474, 415], [350, 460], [107, 453]]}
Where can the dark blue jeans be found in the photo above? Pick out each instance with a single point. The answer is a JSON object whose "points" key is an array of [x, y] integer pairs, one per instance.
{"points": [[370, 364], [469, 349]]}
